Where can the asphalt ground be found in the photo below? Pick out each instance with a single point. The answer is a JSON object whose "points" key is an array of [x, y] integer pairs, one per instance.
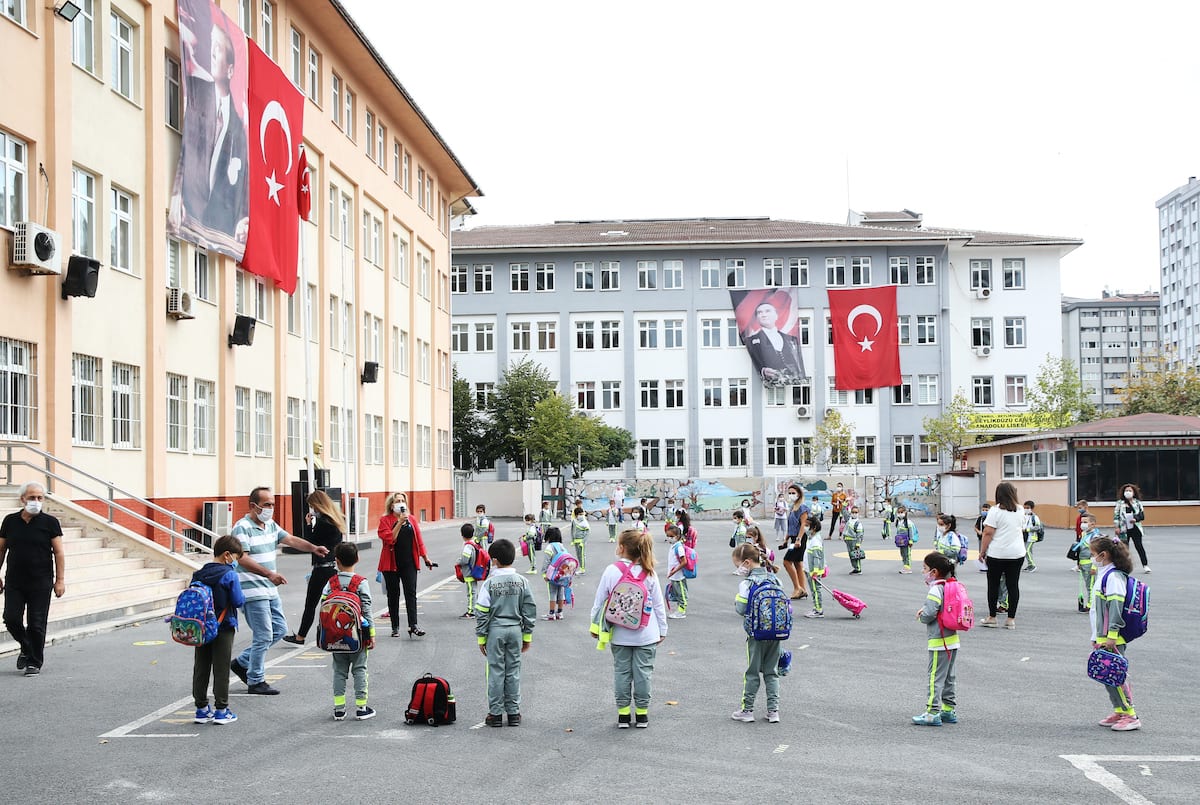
{"points": [[109, 719]]}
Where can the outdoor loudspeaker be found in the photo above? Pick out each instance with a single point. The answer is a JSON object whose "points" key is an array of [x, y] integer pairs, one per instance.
{"points": [[243, 331], [370, 373], [83, 275]]}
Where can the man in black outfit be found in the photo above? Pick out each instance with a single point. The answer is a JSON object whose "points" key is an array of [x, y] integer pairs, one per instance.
{"points": [[31, 540]]}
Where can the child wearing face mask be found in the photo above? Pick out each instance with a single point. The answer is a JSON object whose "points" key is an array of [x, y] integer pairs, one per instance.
{"points": [[1033, 531], [212, 658], [638, 515], [852, 535], [949, 543], [905, 536], [531, 543], [762, 656], [814, 566], [1089, 532], [739, 529], [579, 535], [942, 644], [1113, 566]]}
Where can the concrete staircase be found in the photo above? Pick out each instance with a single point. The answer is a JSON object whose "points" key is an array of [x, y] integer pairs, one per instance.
{"points": [[114, 577]]}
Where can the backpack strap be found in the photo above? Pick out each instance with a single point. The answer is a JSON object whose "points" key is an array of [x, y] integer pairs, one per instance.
{"points": [[355, 581], [334, 584]]}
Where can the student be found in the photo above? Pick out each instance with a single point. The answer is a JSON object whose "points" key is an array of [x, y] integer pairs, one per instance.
{"points": [[504, 620], [762, 656], [1032, 530], [797, 540], [1113, 566], [466, 560], [558, 594], [346, 556], [530, 543], [685, 528], [852, 535], [633, 650], [485, 530], [814, 564], [905, 536], [948, 542], [611, 517], [579, 535], [739, 529], [545, 518], [670, 519], [676, 583], [942, 644], [212, 659], [839, 502], [983, 513], [638, 515], [781, 513], [755, 537], [1081, 508], [889, 519], [1083, 565]]}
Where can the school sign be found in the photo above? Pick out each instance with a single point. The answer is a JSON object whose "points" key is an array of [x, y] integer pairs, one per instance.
{"points": [[1024, 421]]}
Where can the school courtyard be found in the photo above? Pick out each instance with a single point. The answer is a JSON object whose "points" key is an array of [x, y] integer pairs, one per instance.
{"points": [[109, 719]]}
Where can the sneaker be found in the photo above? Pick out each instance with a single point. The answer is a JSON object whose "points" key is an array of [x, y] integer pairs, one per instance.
{"points": [[466, 615], [989, 623], [581, 573], [22, 661], [32, 670], [262, 689], [514, 719], [642, 720], [493, 720], [294, 640], [743, 715], [906, 570], [854, 572], [395, 633], [785, 663], [623, 720], [772, 716], [1002, 607], [1126, 724], [551, 617], [1031, 569], [224, 716], [928, 720], [559, 615], [1113, 718], [363, 713], [814, 614], [1146, 569], [204, 715], [1081, 607], [239, 670], [676, 615], [531, 571], [949, 717], [339, 714]]}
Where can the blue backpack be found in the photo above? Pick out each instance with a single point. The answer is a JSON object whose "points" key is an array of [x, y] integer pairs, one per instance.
{"points": [[195, 622], [768, 612], [1136, 609]]}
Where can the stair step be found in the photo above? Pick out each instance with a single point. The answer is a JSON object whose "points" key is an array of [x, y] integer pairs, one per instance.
{"points": [[72, 532], [122, 599], [116, 581], [84, 571], [93, 556], [78, 544], [66, 630]]}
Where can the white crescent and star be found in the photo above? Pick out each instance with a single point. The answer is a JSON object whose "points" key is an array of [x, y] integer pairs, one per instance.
{"points": [[865, 310], [274, 112]]}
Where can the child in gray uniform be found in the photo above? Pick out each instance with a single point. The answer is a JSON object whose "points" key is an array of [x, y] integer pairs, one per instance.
{"points": [[762, 656], [504, 617], [942, 644]]}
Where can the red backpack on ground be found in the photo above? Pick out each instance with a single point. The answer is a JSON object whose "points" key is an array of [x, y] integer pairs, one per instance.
{"points": [[432, 702]]}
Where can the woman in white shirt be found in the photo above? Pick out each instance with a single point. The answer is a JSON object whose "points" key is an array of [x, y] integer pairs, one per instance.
{"points": [[1003, 548]]}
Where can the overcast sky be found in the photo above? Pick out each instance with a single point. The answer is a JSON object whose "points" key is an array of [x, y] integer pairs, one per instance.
{"points": [[1051, 117]]}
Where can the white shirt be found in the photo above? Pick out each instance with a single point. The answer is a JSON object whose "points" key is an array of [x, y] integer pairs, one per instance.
{"points": [[1008, 541]]}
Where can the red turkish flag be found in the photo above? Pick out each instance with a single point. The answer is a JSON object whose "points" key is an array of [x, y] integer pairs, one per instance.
{"points": [[866, 341], [304, 197], [276, 117]]}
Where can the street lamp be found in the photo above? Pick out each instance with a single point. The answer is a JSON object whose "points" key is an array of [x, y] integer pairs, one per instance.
{"points": [[68, 11]]}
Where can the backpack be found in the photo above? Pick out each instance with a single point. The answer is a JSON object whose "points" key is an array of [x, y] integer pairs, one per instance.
{"points": [[768, 612], [339, 618], [629, 602], [689, 562], [561, 570], [195, 622], [957, 612], [1135, 610], [903, 536], [431, 702], [482, 535], [481, 565]]}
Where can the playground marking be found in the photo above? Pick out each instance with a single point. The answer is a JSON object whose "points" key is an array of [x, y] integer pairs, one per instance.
{"points": [[1091, 767]]}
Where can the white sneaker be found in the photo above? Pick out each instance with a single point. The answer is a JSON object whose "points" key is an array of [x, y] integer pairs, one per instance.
{"points": [[676, 616], [772, 716], [1146, 569], [743, 715]]}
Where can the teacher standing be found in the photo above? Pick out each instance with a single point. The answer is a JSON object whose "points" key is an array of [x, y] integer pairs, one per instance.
{"points": [[399, 559], [1003, 548], [328, 529]]}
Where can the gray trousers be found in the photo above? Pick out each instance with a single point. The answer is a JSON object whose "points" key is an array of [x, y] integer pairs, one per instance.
{"points": [[762, 659], [633, 667], [1121, 697], [941, 680], [504, 669], [343, 666]]}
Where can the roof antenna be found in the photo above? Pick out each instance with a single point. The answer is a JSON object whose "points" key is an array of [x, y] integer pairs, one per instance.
{"points": [[848, 207]]}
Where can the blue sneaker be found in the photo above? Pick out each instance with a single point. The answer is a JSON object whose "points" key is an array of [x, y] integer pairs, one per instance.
{"points": [[949, 717], [225, 716], [204, 715], [928, 720]]}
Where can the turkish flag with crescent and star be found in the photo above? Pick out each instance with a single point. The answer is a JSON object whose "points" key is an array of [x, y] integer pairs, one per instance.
{"points": [[276, 112], [866, 340]]}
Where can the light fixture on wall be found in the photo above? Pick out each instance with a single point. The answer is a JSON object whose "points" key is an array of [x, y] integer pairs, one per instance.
{"points": [[68, 11]]}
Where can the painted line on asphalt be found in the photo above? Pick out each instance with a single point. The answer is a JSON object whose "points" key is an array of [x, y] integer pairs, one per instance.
{"points": [[1092, 769]]}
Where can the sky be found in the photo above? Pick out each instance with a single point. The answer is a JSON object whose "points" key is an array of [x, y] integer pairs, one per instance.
{"points": [[1050, 118]]}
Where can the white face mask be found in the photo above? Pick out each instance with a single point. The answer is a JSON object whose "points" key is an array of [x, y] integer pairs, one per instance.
{"points": [[1028, 512], [941, 529], [33, 506], [636, 516], [265, 515], [398, 508], [792, 498], [1129, 494], [742, 570]]}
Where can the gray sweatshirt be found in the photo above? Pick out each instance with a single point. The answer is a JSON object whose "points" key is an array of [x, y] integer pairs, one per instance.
{"points": [[504, 599]]}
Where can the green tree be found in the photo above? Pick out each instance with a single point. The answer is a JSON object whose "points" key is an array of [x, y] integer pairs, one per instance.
{"points": [[561, 437], [833, 441], [950, 431], [468, 427], [616, 447], [1058, 395], [1162, 388], [522, 386]]}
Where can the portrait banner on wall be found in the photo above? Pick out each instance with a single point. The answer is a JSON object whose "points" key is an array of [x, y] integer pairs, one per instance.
{"points": [[768, 320]]}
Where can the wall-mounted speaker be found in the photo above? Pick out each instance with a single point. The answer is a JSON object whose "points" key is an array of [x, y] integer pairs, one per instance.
{"points": [[243, 332], [370, 372], [83, 276]]}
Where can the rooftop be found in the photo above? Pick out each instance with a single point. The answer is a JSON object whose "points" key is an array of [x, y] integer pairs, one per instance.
{"points": [[1137, 425]]}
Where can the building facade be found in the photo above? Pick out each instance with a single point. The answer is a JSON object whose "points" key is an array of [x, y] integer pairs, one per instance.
{"points": [[157, 402], [1179, 262], [1111, 340], [633, 321]]}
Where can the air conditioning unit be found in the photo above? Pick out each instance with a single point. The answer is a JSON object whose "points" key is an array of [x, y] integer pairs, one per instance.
{"points": [[217, 517], [37, 249], [358, 516], [983, 293], [179, 304], [982, 352], [803, 412]]}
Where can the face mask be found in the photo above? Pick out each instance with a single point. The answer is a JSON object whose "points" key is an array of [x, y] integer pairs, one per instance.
{"points": [[265, 515], [234, 564], [312, 513], [1129, 494], [1028, 512], [941, 529], [792, 498], [398, 508], [929, 578], [742, 570], [1081, 511], [33, 506], [636, 516]]}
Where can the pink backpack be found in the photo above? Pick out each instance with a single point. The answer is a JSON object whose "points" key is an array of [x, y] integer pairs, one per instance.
{"points": [[629, 603], [957, 613]]}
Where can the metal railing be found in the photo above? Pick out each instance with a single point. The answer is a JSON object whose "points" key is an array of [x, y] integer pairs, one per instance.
{"points": [[50, 467]]}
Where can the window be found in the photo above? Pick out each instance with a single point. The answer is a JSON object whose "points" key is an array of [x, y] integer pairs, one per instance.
{"points": [[485, 337], [335, 433], [860, 270], [126, 406], [1014, 331], [13, 156], [772, 271], [610, 334], [712, 392], [397, 150], [610, 395], [373, 439], [928, 452], [864, 397], [370, 138], [423, 271], [674, 453], [777, 451], [202, 282], [121, 231], [423, 359], [585, 335], [673, 393], [543, 276], [483, 394], [297, 60], [714, 452], [837, 396], [673, 334], [404, 439], [174, 255], [737, 392], [738, 452], [348, 110], [406, 173], [926, 329], [349, 433], [585, 276], [241, 421], [174, 93], [381, 161], [121, 63], [902, 450], [295, 428], [459, 337], [733, 334], [802, 394], [266, 28], [14, 10], [898, 270], [798, 271], [443, 437], [835, 271], [981, 391], [777, 396], [710, 332], [647, 271], [262, 423], [1014, 390], [521, 338], [649, 393], [246, 16], [650, 452], [981, 332], [585, 395], [83, 212], [904, 323], [177, 418], [648, 334], [429, 196], [735, 273], [926, 267], [83, 36], [483, 279], [802, 450], [610, 275], [1014, 273], [87, 395], [981, 274], [865, 445], [314, 85], [547, 335], [458, 279], [902, 394], [927, 389], [519, 276], [710, 273], [672, 277]]}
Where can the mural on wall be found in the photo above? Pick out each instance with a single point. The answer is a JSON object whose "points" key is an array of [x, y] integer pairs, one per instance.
{"points": [[919, 493]]}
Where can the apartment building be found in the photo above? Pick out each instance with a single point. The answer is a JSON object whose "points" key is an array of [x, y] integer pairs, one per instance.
{"points": [[1109, 339], [1179, 263]]}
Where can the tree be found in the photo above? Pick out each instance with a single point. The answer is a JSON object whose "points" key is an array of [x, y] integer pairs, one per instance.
{"points": [[950, 431], [1162, 387], [1058, 394], [833, 441], [467, 425], [616, 447], [562, 437], [522, 386]]}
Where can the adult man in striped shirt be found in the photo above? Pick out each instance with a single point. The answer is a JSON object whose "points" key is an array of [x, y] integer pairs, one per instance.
{"points": [[260, 536]]}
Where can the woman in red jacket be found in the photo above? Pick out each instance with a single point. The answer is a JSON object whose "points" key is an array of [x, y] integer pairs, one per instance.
{"points": [[400, 556]]}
